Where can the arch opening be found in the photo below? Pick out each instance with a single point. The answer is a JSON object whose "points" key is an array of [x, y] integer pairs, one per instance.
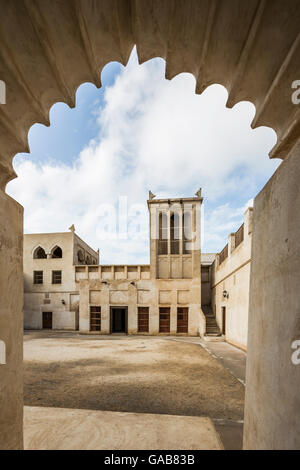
{"points": [[56, 252], [39, 253]]}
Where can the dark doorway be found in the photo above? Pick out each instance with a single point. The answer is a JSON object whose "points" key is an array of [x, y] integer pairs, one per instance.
{"points": [[223, 320], [118, 319], [47, 320]]}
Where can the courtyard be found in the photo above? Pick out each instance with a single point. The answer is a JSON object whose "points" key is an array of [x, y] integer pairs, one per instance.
{"points": [[129, 374]]}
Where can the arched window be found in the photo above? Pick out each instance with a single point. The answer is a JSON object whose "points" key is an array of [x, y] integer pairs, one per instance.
{"points": [[39, 253], [187, 232], [88, 259], [56, 252], [163, 234], [80, 256], [175, 236]]}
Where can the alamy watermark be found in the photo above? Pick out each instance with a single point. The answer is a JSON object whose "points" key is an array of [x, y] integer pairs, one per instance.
{"points": [[2, 92], [296, 354], [296, 94], [123, 221]]}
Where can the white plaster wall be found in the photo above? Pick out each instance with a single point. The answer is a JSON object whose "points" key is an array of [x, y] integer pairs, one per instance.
{"points": [[11, 323], [233, 275], [65, 264], [35, 301]]}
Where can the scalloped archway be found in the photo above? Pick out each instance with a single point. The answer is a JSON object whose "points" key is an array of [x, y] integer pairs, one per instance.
{"points": [[252, 48]]}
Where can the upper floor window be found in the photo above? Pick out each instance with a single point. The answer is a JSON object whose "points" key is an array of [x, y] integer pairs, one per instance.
{"points": [[175, 227], [39, 253], [187, 232], [88, 259], [56, 252], [37, 277], [163, 234], [56, 277]]}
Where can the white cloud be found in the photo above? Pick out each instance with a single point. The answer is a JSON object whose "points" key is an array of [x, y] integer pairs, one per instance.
{"points": [[153, 134]]}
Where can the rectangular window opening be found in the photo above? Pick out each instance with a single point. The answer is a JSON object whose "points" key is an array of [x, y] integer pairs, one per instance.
{"points": [[37, 277], [56, 277]]}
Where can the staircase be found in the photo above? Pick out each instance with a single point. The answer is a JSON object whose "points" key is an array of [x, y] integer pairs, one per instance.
{"points": [[212, 328]]}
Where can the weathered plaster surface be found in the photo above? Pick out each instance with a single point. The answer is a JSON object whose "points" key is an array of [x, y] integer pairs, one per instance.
{"points": [[272, 410], [233, 276], [11, 323]]}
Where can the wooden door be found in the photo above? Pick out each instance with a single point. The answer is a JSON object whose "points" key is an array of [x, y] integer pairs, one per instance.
{"points": [[143, 319], [47, 320], [164, 319], [182, 320], [95, 318]]}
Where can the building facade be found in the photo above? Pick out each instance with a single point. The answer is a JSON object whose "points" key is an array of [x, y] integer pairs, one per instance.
{"points": [[51, 297], [163, 297], [67, 288], [230, 284], [182, 291]]}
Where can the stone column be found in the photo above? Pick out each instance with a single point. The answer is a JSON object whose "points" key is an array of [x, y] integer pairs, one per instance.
{"points": [[11, 323], [272, 409]]}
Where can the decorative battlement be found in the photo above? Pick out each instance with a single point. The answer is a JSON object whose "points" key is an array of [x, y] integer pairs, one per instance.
{"points": [[112, 272]]}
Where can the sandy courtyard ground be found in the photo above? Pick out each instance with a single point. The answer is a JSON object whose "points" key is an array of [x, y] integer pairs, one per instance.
{"points": [[128, 374]]}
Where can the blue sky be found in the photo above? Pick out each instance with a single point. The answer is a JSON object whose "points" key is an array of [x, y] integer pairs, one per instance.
{"points": [[96, 162]]}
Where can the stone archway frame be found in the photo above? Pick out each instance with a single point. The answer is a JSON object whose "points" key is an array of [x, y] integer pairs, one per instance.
{"points": [[48, 49]]}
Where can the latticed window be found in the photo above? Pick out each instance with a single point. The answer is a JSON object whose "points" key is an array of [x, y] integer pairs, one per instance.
{"points": [[163, 234], [95, 318], [38, 277], [56, 277]]}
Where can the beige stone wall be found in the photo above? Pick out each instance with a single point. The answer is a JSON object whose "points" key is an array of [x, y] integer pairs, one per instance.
{"points": [[233, 275], [272, 407], [11, 324], [132, 291], [60, 299]]}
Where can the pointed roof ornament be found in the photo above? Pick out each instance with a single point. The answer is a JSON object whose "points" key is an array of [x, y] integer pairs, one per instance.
{"points": [[72, 228], [198, 193], [151, 195]]}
